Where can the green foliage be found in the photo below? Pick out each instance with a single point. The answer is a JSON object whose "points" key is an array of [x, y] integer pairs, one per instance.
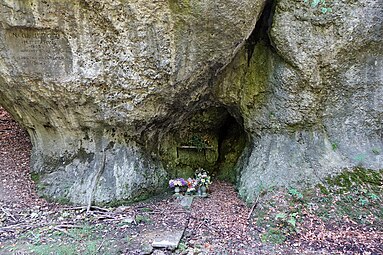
{"points": [[53, 249], [48, 240], [357, 177], [273, 235], [142, 219], [296, 194], [182, 247], [319, 3], [35, 177], [356, 195], [199, 142], [287, 221]]}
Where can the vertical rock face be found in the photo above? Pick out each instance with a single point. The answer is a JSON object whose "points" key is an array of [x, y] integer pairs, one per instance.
{"points": [[311, 97], [97, 83], [117, 96]]}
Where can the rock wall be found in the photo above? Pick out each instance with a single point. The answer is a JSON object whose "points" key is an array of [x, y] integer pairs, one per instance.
{"points": [[311, 96], [98, 83], [111, 91]]}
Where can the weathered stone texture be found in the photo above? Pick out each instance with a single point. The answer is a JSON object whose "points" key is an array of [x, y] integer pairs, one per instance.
{"points": [[111, 90], [321, 109], [96, 82]]}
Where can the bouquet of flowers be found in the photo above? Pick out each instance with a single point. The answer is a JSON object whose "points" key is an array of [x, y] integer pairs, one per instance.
{"points": [[203, 179], [179, 182], [192, 184]]}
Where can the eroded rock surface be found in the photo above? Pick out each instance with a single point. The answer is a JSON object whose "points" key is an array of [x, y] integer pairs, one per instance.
{"points": [[118, 96], [317, 106], [97, 83]]}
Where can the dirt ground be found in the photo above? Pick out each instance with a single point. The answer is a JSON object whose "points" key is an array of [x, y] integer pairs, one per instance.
{"points": [[218, 224]]}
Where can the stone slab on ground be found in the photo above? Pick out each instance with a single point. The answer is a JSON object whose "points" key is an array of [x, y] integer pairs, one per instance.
{"points": [[186, 201], [168, 239]]}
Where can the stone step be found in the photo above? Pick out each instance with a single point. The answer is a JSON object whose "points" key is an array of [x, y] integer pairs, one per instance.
{"points": [[168, 239]]}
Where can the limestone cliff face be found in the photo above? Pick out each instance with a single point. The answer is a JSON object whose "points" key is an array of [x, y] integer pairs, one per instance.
{"points": [[312, 97], [97, 83], [118, 96]]}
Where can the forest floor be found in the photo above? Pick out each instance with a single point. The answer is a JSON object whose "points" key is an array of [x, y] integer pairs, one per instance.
{"points": [[283, 221]]}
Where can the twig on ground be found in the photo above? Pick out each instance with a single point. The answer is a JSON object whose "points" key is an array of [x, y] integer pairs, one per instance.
{"points": [[99, 247], [253, 207], [163, 212], [68, 226], [8, 214], [13, 226], [92, 207]]}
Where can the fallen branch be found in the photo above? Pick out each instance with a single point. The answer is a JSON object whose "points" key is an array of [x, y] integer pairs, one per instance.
{"points": [[99, 247], [253, 207], [14, 226], [164, 212], [99, 208], [68, 226], [8, 214], [92, 207]]}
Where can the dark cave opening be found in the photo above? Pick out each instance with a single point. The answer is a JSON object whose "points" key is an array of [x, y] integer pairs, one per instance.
{"points": [[231, 143], [262, 29], [211, 139]]}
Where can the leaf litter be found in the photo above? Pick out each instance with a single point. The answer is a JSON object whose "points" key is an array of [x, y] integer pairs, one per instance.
{"points": [[278, 223]]}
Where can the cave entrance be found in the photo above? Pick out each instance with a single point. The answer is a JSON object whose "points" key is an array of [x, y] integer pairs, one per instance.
{"points": [[211, 139]]}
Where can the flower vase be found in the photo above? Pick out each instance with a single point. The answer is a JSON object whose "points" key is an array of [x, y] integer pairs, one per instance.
{"points": [[203, 191], [177, 190]]}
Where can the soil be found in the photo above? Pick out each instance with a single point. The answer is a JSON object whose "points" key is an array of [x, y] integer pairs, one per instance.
{"points": [[218, 224]]}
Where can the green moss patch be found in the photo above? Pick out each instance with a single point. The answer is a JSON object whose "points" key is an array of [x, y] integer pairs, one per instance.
{"points": [[352, 199]]}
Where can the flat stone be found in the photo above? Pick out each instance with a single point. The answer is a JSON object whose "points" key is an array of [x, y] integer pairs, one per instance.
{"points": [[158, 252], [128, 220], [168, 239], [146, 249], [186, 201]]}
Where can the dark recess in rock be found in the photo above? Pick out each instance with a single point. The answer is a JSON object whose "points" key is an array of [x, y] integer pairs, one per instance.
{"points": [[261, 30], [232, 140]]}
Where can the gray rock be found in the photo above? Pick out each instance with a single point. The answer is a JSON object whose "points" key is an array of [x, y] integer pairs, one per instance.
{"points": [[97, 83], [168, 239], [186, 201], [109, 91], [318, 110], [147, 249]]}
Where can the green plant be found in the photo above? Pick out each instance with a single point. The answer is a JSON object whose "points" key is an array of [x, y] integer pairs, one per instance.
{"points": [[376, 151], [296, 194], [35, 177], [273, 235], [182, 247], [199, 142], [334, 146], [87, 248], [287, 220], [373, 196], [142, 219]]}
